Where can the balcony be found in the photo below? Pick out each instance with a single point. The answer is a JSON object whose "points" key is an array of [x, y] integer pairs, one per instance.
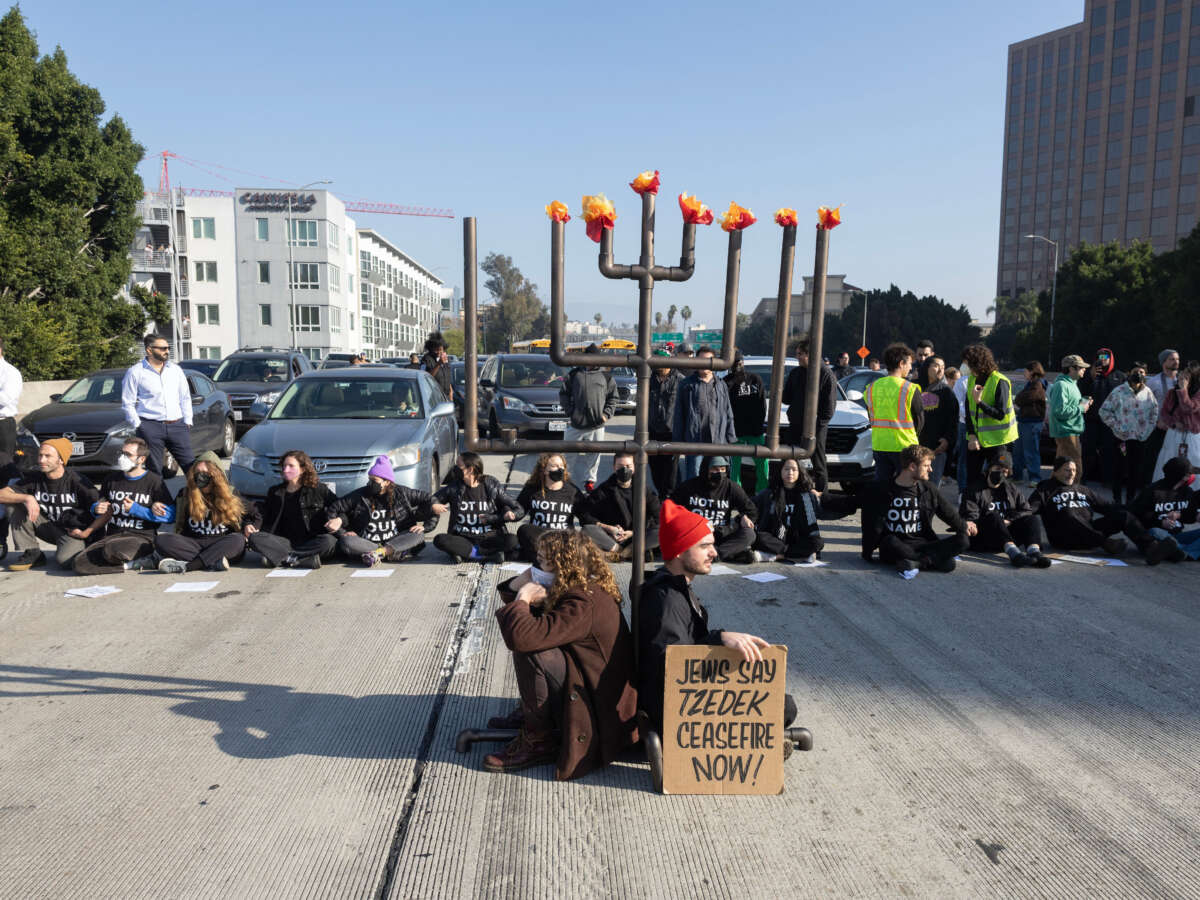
{"points": [[152, 260], [183, 288]]}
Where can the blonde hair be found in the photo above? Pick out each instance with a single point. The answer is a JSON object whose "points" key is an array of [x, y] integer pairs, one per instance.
{"points": [[577, 566], [222, 504]]}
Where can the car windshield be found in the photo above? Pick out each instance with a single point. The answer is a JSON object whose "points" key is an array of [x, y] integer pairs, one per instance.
{"points": [[267, 370], [350, 398], [530, 373], [859, 380], [94, 389], [763, 371]]}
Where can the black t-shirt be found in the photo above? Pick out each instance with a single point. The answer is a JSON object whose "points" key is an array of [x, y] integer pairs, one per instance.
{"points": [[382, 525], [291, 519], [144, 491], [904, 518], [554, 510], [473, 513], [64, 501]]}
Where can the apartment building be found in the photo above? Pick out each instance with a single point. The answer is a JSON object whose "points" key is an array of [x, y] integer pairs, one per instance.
{"points": [[399, 299]]}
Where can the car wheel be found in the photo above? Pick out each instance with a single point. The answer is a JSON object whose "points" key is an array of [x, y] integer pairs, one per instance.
{"points": [[228, 438], [170, 468]]}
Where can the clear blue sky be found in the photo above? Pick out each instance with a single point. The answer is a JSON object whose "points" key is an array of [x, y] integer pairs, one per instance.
{"points": [[493, 110]]}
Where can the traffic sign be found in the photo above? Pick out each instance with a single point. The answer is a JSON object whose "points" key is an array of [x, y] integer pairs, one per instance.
{"points": [[706, 337], [663, 337], [863, 352]]}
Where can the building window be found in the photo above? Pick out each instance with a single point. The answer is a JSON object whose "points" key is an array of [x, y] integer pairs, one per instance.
{"points": [[335, 278], [208, 314], [204, 228], [335, 319], [303, 232], [305, 277], [1161, 198], [262, 230], [264, 314], [1187, 194], [351, 321], [264, 273], [333, 235], [209, 352], [206, 271], [368, 329], [306, 318], [365, 296]]}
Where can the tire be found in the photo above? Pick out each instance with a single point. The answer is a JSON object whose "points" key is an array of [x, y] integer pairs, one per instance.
{"points": [[170, 468], [228, 439]]}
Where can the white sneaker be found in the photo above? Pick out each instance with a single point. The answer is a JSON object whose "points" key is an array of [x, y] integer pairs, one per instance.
{"points": [[761, 557], [170, 566]]}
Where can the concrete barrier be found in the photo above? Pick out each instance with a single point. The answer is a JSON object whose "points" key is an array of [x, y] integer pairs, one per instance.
{"points": [[37, 393]]}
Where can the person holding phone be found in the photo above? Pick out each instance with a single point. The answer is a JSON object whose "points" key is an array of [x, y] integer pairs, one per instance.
{"points": [[1066, 410]]}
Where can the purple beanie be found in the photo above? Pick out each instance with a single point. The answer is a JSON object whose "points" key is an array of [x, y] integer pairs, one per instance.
{"points": [[382, 468]]}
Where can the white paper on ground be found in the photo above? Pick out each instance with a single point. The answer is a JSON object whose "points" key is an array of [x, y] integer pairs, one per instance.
{"points": [[514, 567], [288, 573], [373, 573], [909, 574], [181, 587], [1092, 560], [719, 569], [815, 564], [95, 590], [764, 577]]}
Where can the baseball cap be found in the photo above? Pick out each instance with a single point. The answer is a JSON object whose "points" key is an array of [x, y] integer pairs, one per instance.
{"points": [[1073, 359]]}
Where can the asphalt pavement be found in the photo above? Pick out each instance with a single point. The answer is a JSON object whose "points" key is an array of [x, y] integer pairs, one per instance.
{"points": [[993, 732]]}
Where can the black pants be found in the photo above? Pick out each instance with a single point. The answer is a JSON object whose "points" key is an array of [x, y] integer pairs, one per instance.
{"points": [[108, 555], [887, 465], [1128, 465], [8, 438], [820, 468], [175, 436], [993, 534], [1099, 449], [734, 540], [354, 545], [201, 553], [605, 541], [664, 467], [275, 549], [893, 548], [540, 679], [1071, 534], [799, 548], [1151, 447], [528, 536], [461, 545]]}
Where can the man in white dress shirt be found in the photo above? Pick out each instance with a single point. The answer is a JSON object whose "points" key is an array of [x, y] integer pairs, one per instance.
{"points": [[158, 404], [10, 396]]}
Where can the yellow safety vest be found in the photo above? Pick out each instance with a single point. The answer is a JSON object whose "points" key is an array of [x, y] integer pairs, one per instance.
{"points": [[992, 432], [889, 401]]}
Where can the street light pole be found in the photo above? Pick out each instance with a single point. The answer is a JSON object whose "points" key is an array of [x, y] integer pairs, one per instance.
{"points": [[291, 237], [1053, 295]]}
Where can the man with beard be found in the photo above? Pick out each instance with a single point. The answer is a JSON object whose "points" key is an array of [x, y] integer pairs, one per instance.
{"points": [[1003, 517], [607, 512], [726, 506], [1168, 504], [52, 503]]}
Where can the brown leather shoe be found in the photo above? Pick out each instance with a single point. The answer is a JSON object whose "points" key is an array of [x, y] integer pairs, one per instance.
{"points": [[526, 751], [513, 719]]}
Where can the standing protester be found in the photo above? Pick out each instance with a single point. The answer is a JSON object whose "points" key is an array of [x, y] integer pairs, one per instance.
{"points": [[702, 413], [748, 400], [573, 657], [382, 521], [786, 527], [52, 503], [729, 511], [295, 516], [991, 419], [1160, 385], [133, 503], [1099, 446], [897, 416], [684, 350], [1130, 413], [959, 385], [550, 500], [843, 367], [1030, 404], [940, 407], [10, 399], [1179, 417], [920, 370], [1066, 409], [664, 388], [607, 512], [212, 522], [897, 518], [437, 363], [589, 398], [157, 402], [795, 394], [1003, 518], [1076, 519], [1168, 504], [479, 511]]}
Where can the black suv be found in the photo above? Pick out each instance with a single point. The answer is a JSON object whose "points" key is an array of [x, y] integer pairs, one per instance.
{"points": [[254, 377]]}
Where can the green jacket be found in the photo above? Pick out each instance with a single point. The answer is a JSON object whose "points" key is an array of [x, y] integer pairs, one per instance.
{"points": [[1065, 414]]}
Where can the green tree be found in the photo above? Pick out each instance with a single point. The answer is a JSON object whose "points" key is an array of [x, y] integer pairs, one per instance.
{"points": [[685, 314], [757, 338], [671, 310], [598, 318], [455, 341], [517, 309], [895, 315], [658, 320], [68, 195]]}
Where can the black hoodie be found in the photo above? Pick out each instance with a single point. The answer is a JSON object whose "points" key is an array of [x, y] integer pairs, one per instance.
{"points": [[718, 502], [749, 402], [1162, 498], [1056, 502], [941, 416], [612, 504], [1005, 499]]}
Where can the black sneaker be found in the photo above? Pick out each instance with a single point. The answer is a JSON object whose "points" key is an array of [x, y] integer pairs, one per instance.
{"points": [[308, 562], [1039, 561], [28, 560], [1020, 560]]}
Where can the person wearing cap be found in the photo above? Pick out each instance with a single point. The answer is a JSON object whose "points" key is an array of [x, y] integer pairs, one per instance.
{"points": [[669, 612], [748, 399], [480, 510], [589, 398], [212, 522], [157, 403], [664, 388], [1169, 504], [382, 521], [607, 512], [1097, 443], [684, 349], [53, 504], [1065, 410], [294, 533], [702, 413], [1003, 517], [728, 508]]}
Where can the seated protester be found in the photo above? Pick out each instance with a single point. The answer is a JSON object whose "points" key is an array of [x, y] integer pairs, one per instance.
{"points": [[382, 521], [788, 509], [1003, 517], [1076, 519], [670, 612], [1168, 504], [607, 512], [726, 506], [897, 517], [573, 657], [293, 533], [51, 503], [479, 507], [133, 503], [212, 522], [550, 500]]}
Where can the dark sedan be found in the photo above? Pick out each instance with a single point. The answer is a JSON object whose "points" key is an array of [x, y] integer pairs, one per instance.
{"points": [[89, 415], [520, 391], [203, 366]]}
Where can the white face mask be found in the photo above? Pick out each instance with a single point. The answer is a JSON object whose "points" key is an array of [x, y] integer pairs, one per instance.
{"points": [[545, 579], [124, 463]]}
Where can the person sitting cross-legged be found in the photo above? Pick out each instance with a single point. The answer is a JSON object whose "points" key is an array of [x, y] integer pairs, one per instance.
{"points": [[212, 522], [788, 513], [607, 512], [1002, 516], [480, 510], [382, 521], [293, 533], [732, 513], [53, 504], [551, 501]]}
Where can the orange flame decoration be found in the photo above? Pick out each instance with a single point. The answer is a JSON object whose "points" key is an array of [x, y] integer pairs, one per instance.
{"points": [[647, 182], [736, 218], [598, 212], [829, 219], [694, 212], [558, 212], [786, 216]]}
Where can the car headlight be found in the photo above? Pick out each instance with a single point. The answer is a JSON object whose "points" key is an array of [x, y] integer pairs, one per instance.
{"points": [[123, 432], [269, 397], [403, 457], [26, 434], [517, 404], [246, 458]]}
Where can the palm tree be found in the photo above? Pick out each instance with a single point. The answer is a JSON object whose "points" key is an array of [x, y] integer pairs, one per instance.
{"points": [[599, 318], [671, 310], [685, 314], [658, 320]]}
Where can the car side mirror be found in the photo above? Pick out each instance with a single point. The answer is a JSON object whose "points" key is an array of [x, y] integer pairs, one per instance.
{"points": [[856, 396], [196, 398], [54, 397], [443, 409], [486, 383]]}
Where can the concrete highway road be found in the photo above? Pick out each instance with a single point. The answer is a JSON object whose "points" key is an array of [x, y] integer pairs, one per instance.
{"points": [[993, 732]]}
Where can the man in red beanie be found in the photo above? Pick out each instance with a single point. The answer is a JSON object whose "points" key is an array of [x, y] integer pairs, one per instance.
{"points": [[669, 611]]}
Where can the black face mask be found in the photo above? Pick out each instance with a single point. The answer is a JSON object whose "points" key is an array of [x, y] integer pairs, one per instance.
{"points": [[995, 479], [625, 474], [202, 479], [715, 478], [374, 487], [1136, 380], [556, 474]]}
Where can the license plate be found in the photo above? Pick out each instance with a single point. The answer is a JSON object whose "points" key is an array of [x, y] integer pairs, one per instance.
{"points": [[558, 426], [237, 415], [77, 448]]}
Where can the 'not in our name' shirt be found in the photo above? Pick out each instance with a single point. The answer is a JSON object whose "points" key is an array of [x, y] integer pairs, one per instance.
{"points": [[382, 525], [66, 501], [553, 510], [144, 491], [473, 514]]}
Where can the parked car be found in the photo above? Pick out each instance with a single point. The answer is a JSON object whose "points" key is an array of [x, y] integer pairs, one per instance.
{"points": [[337, 360], [626, 382], [206, 367], [520, 390], [458, 386], [254, 377], [89, 415], [344, 419], [857, 382]]}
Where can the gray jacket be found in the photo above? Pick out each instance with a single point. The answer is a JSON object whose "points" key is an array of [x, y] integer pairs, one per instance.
{"points": [[589, 397], [703, 413]]}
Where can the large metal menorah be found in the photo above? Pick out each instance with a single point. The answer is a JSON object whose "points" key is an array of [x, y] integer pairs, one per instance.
{"points": [[646, 273]]}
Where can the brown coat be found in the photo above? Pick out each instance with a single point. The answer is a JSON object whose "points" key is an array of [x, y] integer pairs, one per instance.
{"points": [[599, 699]]}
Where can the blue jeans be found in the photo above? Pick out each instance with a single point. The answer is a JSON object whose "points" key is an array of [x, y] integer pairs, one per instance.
{"points": [[1188, 540], [691, 467], [1028, 457]]}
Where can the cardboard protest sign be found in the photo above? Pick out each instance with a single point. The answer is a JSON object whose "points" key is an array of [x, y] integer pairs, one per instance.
{"points": [[723, 721]]}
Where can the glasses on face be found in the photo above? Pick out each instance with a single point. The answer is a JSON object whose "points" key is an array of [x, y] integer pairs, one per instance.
{"points": [[163, 349], [132, 457]]}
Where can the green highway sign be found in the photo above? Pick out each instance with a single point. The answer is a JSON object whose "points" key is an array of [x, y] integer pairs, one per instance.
{"points": [[706, 337], [663, 337]]}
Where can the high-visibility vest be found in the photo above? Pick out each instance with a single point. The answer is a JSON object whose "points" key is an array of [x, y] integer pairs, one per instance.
{"points": [[992, 432], [889, 401]]}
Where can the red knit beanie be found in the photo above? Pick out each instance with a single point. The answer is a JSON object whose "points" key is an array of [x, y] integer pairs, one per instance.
{"points": [[679, 529]]}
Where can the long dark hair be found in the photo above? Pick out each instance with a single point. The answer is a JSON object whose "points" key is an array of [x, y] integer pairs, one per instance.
{"points": [[981, 361], [308, 472], [804, 482]]}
